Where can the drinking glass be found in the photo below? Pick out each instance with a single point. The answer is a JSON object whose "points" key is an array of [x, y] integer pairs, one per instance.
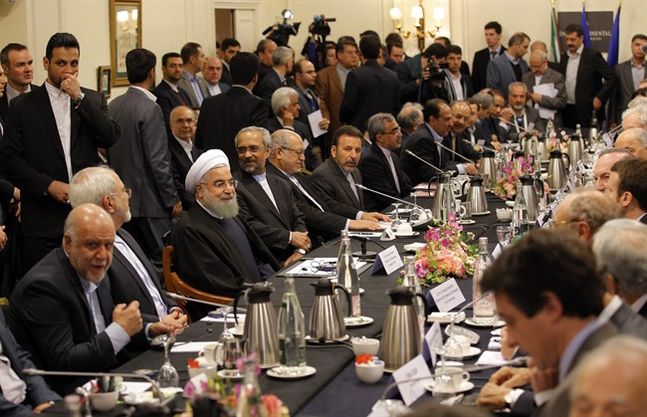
{"points": [[503, 234], [396, 221], [167, 376]]}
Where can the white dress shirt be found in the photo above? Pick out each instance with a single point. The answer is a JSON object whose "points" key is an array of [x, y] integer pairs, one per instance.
{"points": [[571, 73], [13, 388], [262, 181], [61, 106], [187, 146]]}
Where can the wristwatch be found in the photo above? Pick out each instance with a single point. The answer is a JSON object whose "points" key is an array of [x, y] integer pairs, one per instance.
{"points": [[79, 99], [301, 251]]}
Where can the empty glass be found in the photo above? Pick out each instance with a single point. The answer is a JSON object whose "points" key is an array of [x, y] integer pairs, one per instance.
{"points": [[167, 376], [396, 221], [503, 235]]}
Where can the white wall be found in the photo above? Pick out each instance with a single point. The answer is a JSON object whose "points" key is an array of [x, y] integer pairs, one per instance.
{"points": [[168, 24]]}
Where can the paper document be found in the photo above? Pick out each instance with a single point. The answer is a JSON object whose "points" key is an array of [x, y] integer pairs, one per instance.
{"points": [[314, 118], [547, 90], [491, 358], [190, 347]]}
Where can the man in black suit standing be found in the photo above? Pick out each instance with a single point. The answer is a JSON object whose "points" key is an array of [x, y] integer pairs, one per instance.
{"points": [[482, 58], [277, 77], [142, 158], [380, 166], [183, 151], [459, 83], [222, 117], [16, 61], [589, 80], [266, 202], [229, 49], [335, 180], [629, 74], [264, 50], [52, 133], [169, 96], [370, 89]]}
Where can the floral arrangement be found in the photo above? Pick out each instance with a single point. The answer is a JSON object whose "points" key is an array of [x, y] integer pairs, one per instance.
{"points": [[220, 396], [446, 254], [509, 173]]}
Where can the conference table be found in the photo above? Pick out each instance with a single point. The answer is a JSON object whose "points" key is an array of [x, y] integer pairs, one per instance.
{"points": [[335, 390]]}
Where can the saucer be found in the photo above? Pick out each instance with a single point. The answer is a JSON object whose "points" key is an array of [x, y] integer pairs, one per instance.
{"points": [[509, 203], [477, 323], [444, 318], [233, 374], [412, 234], [467, 221], [326, 342], [280, 373], [464, 387], [472, 352], [482, 213], [358, 321]]}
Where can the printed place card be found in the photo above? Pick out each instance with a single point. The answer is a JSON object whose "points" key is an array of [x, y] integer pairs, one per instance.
{"points": [[447, 295], [411, 380]]}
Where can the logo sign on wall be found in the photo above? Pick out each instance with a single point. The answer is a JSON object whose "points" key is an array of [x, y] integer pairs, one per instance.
{"points": [[600, 24]]}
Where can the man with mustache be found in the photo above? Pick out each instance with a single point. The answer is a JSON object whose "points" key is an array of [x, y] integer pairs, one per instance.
{"points": [[523, 120]]}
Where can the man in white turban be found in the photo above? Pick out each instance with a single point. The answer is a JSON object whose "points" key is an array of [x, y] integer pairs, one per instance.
{"points": [[215, 250]]}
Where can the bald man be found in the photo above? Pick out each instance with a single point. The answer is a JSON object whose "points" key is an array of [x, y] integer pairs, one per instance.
{"points": [[541, 73], [212, 73], [62, 311], [584, 212]]}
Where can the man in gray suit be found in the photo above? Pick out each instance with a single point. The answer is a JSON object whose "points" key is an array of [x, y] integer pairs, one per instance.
{"points": [[619, 247], [142, 159], [193, 86], [629, 74], [509, 66], [540, 73]]}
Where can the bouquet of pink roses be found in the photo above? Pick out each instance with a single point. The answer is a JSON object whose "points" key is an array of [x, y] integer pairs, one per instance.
{"points": [[509, 174]]}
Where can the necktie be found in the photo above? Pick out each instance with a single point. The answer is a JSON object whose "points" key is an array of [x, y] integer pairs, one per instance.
{"points": [[353, 188], [389, 158], [196, 89], [305, 193], [492, 55], [311, 101]]}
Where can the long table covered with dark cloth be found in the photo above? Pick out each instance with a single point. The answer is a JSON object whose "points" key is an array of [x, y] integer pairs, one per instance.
{"points": [[335, 390]]}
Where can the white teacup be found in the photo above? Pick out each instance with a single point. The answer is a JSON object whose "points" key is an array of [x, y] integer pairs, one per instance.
{"points": [[404, 229], [365, 345], [449, 378], [464, 343], [212, 353]]}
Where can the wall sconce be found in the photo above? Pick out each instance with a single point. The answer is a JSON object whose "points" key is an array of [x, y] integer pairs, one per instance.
{"points": [[418, 15]]}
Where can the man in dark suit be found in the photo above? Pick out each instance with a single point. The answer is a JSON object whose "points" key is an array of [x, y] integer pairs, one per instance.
{"points": [[16, 61], [215, 250], [459, 141], [212, 74], [132, 276], [169, 96], [629, 74], [522, 119], [584, 71], [380, 166], [555, 325], [194, 87], [282, 63], [230, 48], [222, 116], [509, 66], [370, 89], [482, 58], [335, 180], [459, 84], [62, 311], [626, 186], [52, 133], [264, 50], [31, 397], [286, 161], [540, 73], [183, 151], [142, 158], [266, 202]]}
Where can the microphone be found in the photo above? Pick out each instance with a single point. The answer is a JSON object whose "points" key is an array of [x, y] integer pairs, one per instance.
{"points": [[427, 214], [455, 153], [195, 300], [513, 125], [154, 387], [425, 161]]}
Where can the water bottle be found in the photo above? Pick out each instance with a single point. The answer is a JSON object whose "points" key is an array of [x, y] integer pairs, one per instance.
{"points": [[248, 403], [411, 280], [520, 221], [291, 327], [485, 308], [347, 274]]}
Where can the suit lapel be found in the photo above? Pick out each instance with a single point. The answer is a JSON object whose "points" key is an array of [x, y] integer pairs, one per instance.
{"points": [[385, 162], [49, 121], [75, 124], [281, 200], [345, 185], [119, 257], [259, 193]]}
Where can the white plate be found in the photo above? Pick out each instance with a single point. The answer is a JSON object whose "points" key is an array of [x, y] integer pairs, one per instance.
{"points": [[467, 221], [412, 234], [400, 211], [444, 318], [472, 352], [483, 213], [509, 203], [476, 323], [327, 342], [232, 374], [303, 372], [358, 321], [439, 364], [464, 387]]}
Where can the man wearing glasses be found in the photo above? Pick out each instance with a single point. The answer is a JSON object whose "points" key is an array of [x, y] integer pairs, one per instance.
{"points": [[215, 250]]}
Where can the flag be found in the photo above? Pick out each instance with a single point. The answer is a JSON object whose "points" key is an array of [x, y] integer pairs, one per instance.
{"points": [[554, 35], [614, 42], [585, 27]]}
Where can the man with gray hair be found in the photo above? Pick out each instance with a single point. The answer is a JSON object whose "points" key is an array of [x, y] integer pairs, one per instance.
{"points": [[215, 250], [611, 380], [509, 66], [282, 62], [633, 140], [525, 120], [619, 248], [266, 202], [584, 212], [380, 167], [409, 118], [635, 116], [602, 167], [541, 74]]}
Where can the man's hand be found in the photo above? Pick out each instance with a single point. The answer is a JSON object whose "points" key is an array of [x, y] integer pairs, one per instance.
{"points": [[375, 217], [71, 86], [292, 259], [535, 97], [177, 319], [511, 377], [471, 169], [496, 144], [492, 396], [59, 191], [3, 238], [597, 103], [507, 114], [301, 240], [324, 124], [42, 407], [177, 209], [128, 317], [158, 328], [364, 225]]}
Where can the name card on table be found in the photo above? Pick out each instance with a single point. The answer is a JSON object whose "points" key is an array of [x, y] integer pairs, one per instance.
{"points": [[447, 295], [387, 235], [389, 260], [434, 340], [414, 369]]}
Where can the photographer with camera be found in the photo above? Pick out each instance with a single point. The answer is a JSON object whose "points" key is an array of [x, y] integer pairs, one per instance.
{"points": [[421, 78]]}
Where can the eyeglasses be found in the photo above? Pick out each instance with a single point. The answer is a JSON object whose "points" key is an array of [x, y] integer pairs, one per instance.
{"points": [[395, 130], [128, 191], [221, 185], [297, 152]]}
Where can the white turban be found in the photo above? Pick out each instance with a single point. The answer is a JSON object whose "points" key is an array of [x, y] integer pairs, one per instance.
{"points": [[208, 160]]}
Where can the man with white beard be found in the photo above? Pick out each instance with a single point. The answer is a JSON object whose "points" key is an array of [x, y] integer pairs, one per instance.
{"points": [[215, 250], [523, 119]]}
